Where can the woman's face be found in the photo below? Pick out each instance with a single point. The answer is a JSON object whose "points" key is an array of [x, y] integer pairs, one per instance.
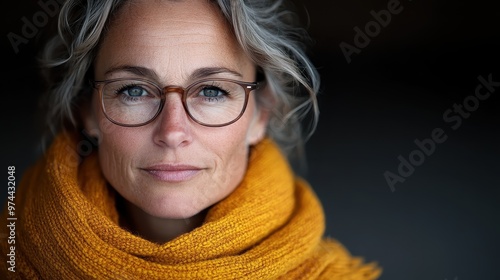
{"points": [[173, 167]]}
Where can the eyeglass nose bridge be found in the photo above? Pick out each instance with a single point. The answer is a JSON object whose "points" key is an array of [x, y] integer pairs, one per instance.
{"points": [[170, 89]]}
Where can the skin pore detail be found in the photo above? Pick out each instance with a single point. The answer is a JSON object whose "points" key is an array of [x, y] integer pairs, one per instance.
{"points": [[169, 171]]}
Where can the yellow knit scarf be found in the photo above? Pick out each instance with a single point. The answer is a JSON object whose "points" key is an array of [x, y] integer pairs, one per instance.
{"points": [[270, 227]]}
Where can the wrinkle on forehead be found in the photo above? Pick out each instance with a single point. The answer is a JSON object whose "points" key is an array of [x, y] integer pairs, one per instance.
{"points": [[196, 35], [188, 15]]}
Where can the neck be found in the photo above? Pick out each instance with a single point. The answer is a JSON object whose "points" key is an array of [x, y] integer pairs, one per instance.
{"points": [[155, 229]]}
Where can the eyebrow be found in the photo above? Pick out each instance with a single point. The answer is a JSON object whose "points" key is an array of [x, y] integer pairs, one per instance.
{"points": [[151, 74], [136, 70], [209, 71]]}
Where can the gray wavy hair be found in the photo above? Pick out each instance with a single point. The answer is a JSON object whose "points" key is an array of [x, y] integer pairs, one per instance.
{"points": [[267, 31]]}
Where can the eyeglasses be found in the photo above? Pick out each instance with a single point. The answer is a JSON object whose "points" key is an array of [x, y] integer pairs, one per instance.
{"points": [[209, 102]]}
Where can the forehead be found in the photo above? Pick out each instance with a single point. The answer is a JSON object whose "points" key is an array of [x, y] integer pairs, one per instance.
{"points": [[175, 18], [170, 36]]}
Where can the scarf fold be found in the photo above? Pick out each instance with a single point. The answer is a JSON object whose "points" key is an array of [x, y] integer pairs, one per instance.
{"points": [[270, 227]]}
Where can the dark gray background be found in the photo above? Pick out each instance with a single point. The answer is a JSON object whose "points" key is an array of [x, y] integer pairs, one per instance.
{"points": [[442, 222]]}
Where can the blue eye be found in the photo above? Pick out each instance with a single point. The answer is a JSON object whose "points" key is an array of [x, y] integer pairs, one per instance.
{"points": [[133, 91], [212, 92]]}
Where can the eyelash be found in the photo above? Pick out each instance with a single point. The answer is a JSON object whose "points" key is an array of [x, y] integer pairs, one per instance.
{"points": [[126, 97], [124, 87], [225, 92]]}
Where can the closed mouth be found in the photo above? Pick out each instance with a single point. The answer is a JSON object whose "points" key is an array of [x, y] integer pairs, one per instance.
{"points": [[172, 173]]}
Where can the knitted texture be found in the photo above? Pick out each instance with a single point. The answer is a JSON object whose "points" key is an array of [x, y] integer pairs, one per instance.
{"points": [[270, 227]]}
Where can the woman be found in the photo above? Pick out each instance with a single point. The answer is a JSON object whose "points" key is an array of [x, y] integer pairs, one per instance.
{"points": [[186, 106]]}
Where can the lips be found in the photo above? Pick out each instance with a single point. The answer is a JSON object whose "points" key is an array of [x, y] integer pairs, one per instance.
{"points": [[172, 173]]}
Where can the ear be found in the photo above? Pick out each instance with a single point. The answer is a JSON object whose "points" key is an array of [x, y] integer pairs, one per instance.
{"points": [[89, 118], [258, 127]]}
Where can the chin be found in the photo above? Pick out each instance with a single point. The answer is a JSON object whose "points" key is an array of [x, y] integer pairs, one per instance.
{"points": [[168, 209]]}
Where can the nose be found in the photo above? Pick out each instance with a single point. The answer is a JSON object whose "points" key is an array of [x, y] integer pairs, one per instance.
{"points": [[173, 128]]}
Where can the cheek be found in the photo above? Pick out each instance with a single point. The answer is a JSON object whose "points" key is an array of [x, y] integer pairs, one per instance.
{"points": [[231, 149], [117, 151], [233, 160], [116, 146], [230, 166]]}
